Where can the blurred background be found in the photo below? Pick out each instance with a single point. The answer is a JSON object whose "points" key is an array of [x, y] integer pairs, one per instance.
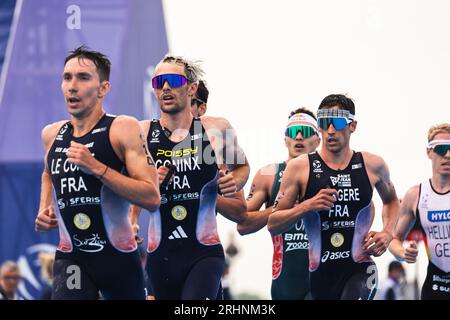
{"points": [[262, 60]]}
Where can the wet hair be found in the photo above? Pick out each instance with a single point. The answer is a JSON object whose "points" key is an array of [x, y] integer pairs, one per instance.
{"points": [[302, 110], [439, 128], [340, 100], [192, 69], [100, 60]]}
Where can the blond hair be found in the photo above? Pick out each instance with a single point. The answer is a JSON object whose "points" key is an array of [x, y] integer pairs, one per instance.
{"points": [[439, 128], [192, 68]]}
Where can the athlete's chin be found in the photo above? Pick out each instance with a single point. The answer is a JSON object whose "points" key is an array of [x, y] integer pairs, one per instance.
{"points": [[75, 112], [335, 148], [171, 109]]}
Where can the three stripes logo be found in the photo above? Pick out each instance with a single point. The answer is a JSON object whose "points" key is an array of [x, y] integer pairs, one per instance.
{"points": [[178, 233]]}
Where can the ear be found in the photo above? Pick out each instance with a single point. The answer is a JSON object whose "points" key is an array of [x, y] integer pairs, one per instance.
{"points": [[202, 109], [192, 89], [429, 153], [316, 142], [286, 142], [353, 125], [104, 88]]}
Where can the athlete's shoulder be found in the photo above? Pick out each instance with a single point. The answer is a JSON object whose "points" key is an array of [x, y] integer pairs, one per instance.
{"points": [[124, 120], [411, 197], [264, 178], [145, 125], [50, 131], [125, 130], [299, 162], [54, 127], [373, 161], [268, 169], [215, 122], [413, 192], [124, 125], [266, 173]]}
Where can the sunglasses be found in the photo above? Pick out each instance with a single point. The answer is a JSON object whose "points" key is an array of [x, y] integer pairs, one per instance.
{"points": [[174, 80], [293, 131], [338, 123], [441, 149]]}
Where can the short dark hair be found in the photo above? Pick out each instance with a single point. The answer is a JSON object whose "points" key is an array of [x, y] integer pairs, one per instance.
{"points": [[202, 92], [340, 100], [395, 265], [302, 110], [100, 60]]}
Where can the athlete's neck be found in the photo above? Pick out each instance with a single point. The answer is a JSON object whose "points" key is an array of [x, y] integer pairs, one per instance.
{"points": [[338, 160], [83, 125], [440, 183], [178, 124]]}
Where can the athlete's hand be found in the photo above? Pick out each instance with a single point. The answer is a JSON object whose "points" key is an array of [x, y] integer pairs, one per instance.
{"points": [[80, 155], [411, 252], [323, 200], [376, 243], [227, 184], [162, 173], [138, 239], [46, 220]]}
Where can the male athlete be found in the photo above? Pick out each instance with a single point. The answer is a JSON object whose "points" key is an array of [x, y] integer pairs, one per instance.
{"points": [[186, 259], [290, 275], [85, 160], [428, 203], [336, 185]]}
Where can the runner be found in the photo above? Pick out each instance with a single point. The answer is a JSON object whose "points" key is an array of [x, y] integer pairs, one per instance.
{"points": [[186, 258], [290, 275], [85, 160], [428, 204], [336, 186]]}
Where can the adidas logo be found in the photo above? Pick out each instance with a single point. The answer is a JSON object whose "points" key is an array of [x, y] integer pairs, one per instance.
{"points": [[178, 233]]}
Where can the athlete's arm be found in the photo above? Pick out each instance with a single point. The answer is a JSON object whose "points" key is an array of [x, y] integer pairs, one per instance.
{"points": [[376, 243], [135, 211], [233, 208], [405, 223], [46, 218], [229, 155], [258, 195], [285, 213], [141, 187], [240, 173]]}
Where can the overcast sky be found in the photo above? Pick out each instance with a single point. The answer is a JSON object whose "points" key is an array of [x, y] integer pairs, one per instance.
{"points": [[265, 58]]}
